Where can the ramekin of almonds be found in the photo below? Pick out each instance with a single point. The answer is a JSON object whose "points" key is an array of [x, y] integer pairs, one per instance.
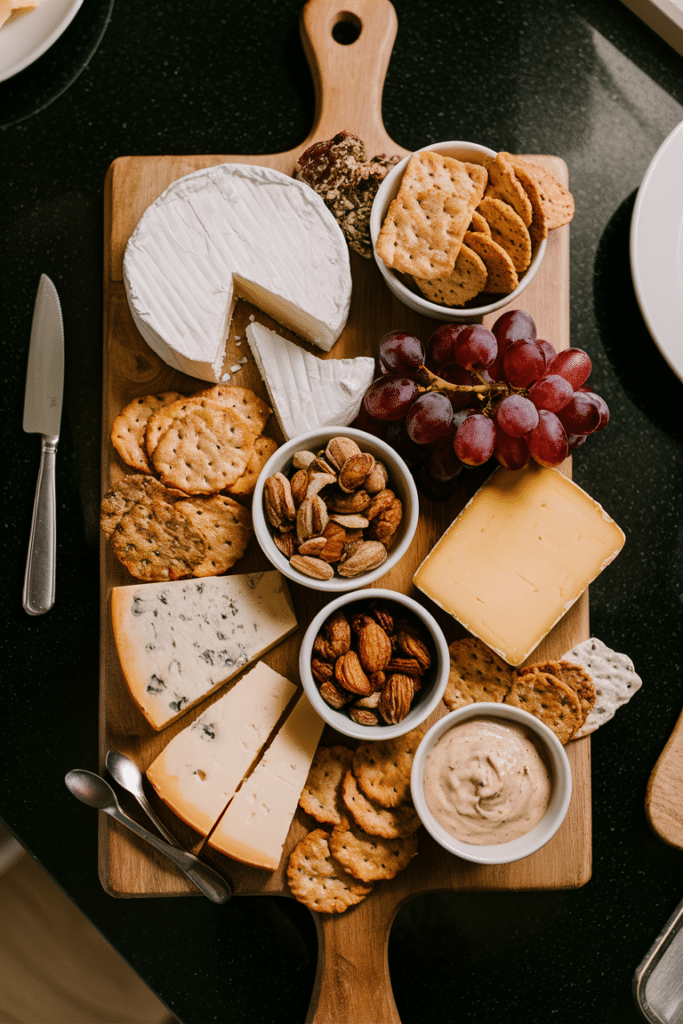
{"points": [[459, 231], [335, 509], [374, 664]]}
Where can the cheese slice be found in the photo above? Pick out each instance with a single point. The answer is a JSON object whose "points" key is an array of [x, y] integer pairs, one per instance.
{"points": [[255, 826], [228, 230], [198, 772], [518, 556], [306, 391], [179, 641]]}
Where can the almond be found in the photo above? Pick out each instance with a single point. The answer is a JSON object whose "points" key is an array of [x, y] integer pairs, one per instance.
{"points": [[374, 647], [278, 501], [369, 554], [339, 449], [349, 673], [354, 471], [314, 567], [396, 698]]}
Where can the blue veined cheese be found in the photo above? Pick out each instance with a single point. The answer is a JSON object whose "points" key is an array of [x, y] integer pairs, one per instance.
{"points": [[199, 770], [179, 641], [228, 230], [255, 825], [306, 391]]}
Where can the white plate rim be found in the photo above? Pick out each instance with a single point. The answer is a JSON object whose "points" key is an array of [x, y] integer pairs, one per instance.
{"points": [[43, 38], [656, 249]]}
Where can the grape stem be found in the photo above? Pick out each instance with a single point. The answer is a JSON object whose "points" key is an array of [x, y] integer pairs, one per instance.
{"points": [[488, 390]]}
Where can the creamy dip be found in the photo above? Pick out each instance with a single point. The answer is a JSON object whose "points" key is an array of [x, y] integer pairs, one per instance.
{"points": [[485, 781]]}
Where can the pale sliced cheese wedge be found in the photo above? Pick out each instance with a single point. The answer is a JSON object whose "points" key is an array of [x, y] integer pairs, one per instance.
{"points": [[229, 230], [179, 641], [255, 826], [305, 391], [198, 772]]}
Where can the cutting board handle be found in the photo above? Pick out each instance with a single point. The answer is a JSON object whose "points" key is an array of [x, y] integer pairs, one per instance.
{"points": [[663, 796], [348, 77]]}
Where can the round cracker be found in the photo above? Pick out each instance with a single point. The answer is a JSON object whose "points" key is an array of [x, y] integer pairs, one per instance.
{"points": [[576, 677], [467, 280], [205, 450], [129, 427], [244, 401], [225, 527], [383, 768], [371, 858], [549, 699], [155, 543], [319, 881], [501, 276], [321, 796], [508, 230], [388, 822], [503, 182], [134, 488], [264, 447], [476, 674]]}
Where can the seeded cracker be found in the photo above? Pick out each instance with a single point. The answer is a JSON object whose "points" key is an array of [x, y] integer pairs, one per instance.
{"points": [[614, 677], [318, 881], [225, 527], [205, 450], [479, 223], [509, 230], [250, 407], [321, 796], [425, 224], [388, 822], [501, 276], [557, 201], [476, 674], [576, 677], [264, 447], [383, 767], [549, 699], [467, 280], [128, 429], [154, 542], [371, 858], [129, 492]]}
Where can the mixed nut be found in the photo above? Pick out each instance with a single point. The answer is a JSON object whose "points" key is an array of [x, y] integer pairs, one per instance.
{"points": [[335, 513], [371, 660]]}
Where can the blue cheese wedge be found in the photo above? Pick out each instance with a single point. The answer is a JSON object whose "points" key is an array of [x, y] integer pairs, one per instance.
{"points": [[255, 826], [229, 230], [179, 641], [306, 391], [198, 772]]}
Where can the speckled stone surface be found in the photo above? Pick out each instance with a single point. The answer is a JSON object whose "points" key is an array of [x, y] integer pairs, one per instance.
{"points": [[584, 80]]}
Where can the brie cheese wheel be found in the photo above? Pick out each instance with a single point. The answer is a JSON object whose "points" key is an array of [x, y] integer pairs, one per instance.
{"points": [[198, 772], [255, 826], [305, 391], [228, 230], [179, 641]]}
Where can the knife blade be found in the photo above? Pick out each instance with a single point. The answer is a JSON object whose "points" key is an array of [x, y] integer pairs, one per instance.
{"points": [[42, 415]]}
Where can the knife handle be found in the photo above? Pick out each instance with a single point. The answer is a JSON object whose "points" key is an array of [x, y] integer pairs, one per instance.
{"points": [[39, 581]]}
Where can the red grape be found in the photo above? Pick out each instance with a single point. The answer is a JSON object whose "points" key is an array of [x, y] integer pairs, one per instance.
{"points": [[548, 442], [429, 418], [369, 424], [514, 325], [602, 404], [523, 363], [475, 347], [551, 392], [412, 454], [475, 439], [390, 397], [548, 348], [443, 465], [573, 364], [400, 352], [517, 416], [582, 414], [441, 346], [511, 452]]}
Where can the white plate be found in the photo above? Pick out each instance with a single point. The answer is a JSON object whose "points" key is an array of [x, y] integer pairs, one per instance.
{"points": [[28, 36], [657, 249]]}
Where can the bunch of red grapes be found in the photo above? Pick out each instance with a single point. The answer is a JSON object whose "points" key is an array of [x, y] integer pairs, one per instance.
{"points": [[477, 394]]}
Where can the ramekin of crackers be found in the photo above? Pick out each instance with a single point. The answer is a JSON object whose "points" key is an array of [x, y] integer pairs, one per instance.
{"points": [[459, 230]]}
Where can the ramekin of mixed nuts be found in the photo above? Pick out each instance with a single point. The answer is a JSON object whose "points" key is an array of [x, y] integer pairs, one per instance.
{"points": [[335, 509], [374, 664]]}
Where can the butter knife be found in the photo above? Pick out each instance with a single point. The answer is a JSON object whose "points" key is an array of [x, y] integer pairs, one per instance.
{"points": [[42, 415]]}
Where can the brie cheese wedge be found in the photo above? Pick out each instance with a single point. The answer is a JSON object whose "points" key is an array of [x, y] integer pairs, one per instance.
{"points": [[229, 230], [305, 391]]}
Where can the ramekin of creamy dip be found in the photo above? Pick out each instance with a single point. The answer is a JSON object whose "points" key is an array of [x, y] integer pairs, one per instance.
{"points": [[491, 783]]}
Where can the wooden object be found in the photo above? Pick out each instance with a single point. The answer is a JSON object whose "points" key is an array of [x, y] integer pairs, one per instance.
{"points": [[353, 978], [664, 795]]}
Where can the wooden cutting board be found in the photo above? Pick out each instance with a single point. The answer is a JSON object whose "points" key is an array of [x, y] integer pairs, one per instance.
{"points": [[664, 795], [353, 978]]}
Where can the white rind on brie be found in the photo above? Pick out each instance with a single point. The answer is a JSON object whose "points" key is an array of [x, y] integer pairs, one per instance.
{"points": [[228, 230], [305, 391]]}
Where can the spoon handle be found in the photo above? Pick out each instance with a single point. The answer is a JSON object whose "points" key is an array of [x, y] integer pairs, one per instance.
{"points": [[153, 817], [205, 878]]}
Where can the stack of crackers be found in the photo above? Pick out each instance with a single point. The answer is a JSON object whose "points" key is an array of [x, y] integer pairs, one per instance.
{"points": [[364, 795], [463, 231], [572, 696], [179, 514]]}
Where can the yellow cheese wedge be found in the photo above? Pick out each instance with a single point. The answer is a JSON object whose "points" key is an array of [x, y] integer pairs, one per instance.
{"points": [[255, 825], [518, 556], [198, 771]]}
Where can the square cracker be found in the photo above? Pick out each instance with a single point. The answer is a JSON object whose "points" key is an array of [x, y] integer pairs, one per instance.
{"points": [[425, 224]]}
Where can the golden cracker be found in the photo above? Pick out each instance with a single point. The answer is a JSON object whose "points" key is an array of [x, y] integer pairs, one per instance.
{"points": [[132, 489], [479, 223], [264, 447], [241, 400], [128, 429], [205, 450], [575, 676], [371, 858], [467, 281], [509, 230], [155, 543], [225, 527], [318, 881], [557, 201], [321, 796], [549, 700], [383, 767], [476, 674], [388, 822], [504, 181], [501, 276]]}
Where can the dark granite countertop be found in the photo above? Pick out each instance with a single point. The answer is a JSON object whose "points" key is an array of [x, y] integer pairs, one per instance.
{"points": [[583, 80]]}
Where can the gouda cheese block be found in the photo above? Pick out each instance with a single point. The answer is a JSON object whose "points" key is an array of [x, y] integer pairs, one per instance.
{"points": [[518, 556]]}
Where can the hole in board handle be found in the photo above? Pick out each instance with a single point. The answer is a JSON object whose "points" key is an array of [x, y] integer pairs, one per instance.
{"points": [[347, 28]]}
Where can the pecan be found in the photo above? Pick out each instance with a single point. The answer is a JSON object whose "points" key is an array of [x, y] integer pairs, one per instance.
{"points": [[285, 542], [299, 486], [374, 647], [411, 643], [323, 671], [383, 526], [314, 567], [406, 666], [279, 504], [311, 517], [348, 504], [339, 449], [354, 471], [381, 501], [377, 478], [363, 716], [382, 614], [334, 639], [349, 673], [302, 459], [377, 680], [396, 698], [334, 695], [335, 536], [369, 554]]}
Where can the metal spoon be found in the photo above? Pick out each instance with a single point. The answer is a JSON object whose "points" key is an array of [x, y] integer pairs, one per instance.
{"points": [[94, 791], [129, 777]]}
